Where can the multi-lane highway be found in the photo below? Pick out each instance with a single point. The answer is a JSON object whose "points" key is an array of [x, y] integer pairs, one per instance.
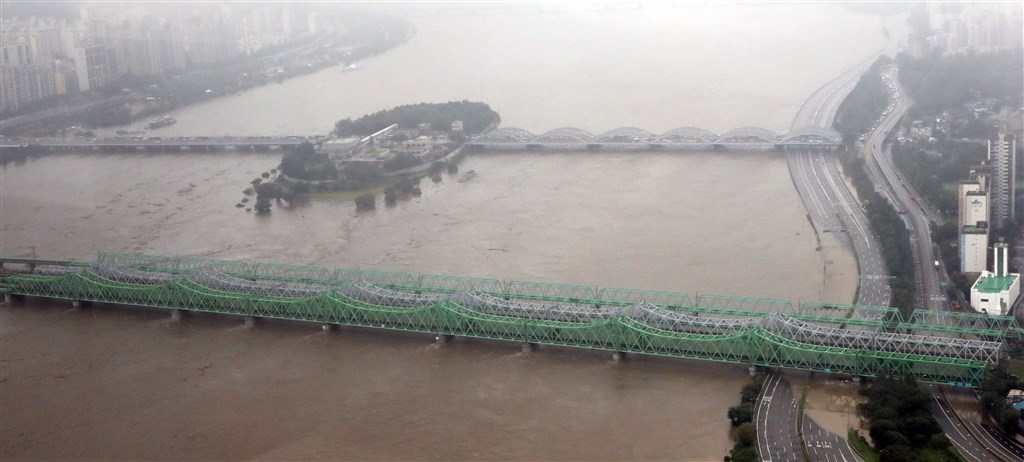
{"points": [[958, 435], [832, 206], [975, 442], [825, 446], [833, 209], [775, 420], [778, 440], [904, 199]]}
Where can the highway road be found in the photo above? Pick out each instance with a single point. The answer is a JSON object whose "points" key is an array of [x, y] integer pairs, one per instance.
{"points": [[968, 447], [775, 419], [833, 209], [984, 439], [828, 199], [825, 446], [975, 442], [893, 186]]}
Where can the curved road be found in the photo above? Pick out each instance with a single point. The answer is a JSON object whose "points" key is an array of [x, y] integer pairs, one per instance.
{"points": [[831, 204], [834, 209], [975, 442], [775, 420], [825, 446], [905, 200]]}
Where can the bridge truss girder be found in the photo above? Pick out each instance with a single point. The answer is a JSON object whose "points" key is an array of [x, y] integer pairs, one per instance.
{"points": [[570, 137], [564, 134], [555, 314], [505, 135], [849, 316], [623, 135], [748, 135], [687, 135]]}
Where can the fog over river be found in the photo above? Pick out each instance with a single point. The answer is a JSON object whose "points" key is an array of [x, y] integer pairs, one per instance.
{"points": [[104, 384]]}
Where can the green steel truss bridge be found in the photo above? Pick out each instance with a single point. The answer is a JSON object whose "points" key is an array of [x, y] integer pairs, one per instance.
{"points": [[858, 340]]}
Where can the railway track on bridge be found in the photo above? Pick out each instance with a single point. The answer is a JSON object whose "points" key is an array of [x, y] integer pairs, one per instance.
{"points": [[843, 339]]}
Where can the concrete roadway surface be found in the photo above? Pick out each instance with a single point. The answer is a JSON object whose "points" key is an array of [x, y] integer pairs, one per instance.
{"points": [[834, 209], [831, 204], [775, 418], [905, 200], [976, 443], [986, 437], [825, 446]]}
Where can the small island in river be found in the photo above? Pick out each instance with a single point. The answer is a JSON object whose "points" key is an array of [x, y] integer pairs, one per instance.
{"points": [[387, 151]]}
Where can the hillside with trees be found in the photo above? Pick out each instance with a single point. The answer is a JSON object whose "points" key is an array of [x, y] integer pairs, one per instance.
{"points": [[475, 116], [940, 83], [859, 111]]}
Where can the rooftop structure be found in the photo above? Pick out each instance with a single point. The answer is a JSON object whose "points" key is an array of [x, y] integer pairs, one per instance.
{"points": [[339, 147], [996, 292]]}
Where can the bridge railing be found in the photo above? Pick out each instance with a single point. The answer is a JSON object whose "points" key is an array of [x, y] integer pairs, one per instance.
{"points": [[652, 322]]}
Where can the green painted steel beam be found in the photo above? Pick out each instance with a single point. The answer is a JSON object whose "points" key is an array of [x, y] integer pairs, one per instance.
{"points": [[754, 346]]}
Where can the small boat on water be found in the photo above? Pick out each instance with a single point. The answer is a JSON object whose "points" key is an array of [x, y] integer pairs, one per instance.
{"points": [[467, 176], [351, 67], [162, 122]]}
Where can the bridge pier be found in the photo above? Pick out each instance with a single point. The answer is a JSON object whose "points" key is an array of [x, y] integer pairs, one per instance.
{"points": [[528, 347], [752, 370], [618, 356], [444, 338], [77, 303], [175, 315], [250, 322], [8, 299], [329, 327]]}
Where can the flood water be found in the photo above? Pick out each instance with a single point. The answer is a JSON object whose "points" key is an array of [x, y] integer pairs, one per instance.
{"points": [[122, 384]]}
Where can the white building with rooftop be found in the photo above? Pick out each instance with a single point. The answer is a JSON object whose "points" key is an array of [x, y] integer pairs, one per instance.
{"points": [[995, 292]]}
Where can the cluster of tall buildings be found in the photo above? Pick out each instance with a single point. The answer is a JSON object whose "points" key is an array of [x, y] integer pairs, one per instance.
{"points": [[960, 27], [42, 57], [987, 200]]}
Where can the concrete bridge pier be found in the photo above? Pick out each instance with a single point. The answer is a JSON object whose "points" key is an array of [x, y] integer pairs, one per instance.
{"points": [[444, 338], [618, 356], [8, 299], [329, 327], [752, 370], [175, 315], [79, 303], [250, 322], [528, 347]]}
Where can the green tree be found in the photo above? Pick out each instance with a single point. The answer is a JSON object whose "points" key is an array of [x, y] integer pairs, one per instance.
{"points": [[743, 454], [262, 206], [746, 434], [366, 202], [741, 414]]}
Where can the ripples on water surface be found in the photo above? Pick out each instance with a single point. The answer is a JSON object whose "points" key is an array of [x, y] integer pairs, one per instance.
{"points": [[102, 384]]}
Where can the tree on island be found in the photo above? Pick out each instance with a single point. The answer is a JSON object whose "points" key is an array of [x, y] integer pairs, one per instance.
{"points": [[475, 116], [304, 163], [366, 202]]}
